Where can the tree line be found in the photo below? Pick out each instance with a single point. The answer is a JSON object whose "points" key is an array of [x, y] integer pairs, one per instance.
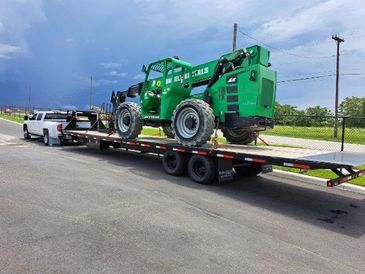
{"points": [[317, 116]]}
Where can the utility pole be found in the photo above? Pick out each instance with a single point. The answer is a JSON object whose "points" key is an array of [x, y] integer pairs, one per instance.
{"points": [[234, 36], [338, 42], [91, 92]]}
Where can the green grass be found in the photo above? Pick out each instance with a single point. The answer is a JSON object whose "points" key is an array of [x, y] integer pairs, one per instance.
{"points": [[156, 132], [323, 173], [352, 135], [12, 118]]}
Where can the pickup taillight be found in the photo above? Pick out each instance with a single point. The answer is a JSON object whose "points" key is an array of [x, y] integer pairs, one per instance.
{"points": [[59, 127]]}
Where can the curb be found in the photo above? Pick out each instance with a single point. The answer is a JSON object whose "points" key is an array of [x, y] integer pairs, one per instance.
{"points": [[316, 181], [10, 121]]}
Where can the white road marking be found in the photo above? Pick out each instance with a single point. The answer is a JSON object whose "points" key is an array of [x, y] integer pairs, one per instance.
{"points": [[5, 143], [5, 137]]}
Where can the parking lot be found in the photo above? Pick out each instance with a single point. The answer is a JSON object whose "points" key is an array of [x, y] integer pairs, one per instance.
{"points": [[76, 209]]}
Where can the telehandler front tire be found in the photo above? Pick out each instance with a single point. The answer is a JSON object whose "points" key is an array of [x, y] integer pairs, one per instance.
{"points": [[193, 122], [128, 120]]}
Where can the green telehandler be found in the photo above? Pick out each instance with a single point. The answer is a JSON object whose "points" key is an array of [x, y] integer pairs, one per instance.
{"points": [[235, 93]]}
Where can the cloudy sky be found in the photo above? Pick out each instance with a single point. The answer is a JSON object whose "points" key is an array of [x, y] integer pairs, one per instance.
{"points": [[54, 46]]}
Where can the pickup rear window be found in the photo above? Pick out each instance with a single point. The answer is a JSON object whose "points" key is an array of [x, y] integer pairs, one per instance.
{"points": [[55, 116]]}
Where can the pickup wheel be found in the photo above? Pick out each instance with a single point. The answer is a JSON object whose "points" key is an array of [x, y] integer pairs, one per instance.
{"points": [[46, 137], [26, 133]]}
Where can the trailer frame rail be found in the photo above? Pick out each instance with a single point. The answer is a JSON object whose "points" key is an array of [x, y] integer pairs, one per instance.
{"points": [[226, 159]]}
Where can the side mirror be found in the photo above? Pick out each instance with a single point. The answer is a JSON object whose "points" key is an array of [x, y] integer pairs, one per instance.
{"points": [[26, 117], [144, 69]]}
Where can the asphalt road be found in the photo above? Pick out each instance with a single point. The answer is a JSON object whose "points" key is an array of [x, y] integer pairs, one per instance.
{"points": [[79, 210]]}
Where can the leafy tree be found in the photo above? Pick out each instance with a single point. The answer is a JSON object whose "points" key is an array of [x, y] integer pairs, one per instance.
{"points": [[353, 107], [320, 116], [285, 114], [318, 111]]}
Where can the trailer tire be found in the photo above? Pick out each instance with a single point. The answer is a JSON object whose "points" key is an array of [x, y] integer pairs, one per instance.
{"points": [[46, 137], [248, 171], [173, 163], [193, 122], [103, 145], [202, 169], [128, 120], [238, 136], [168, 131]]}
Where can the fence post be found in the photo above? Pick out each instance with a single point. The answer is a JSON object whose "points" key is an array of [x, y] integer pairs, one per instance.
{"points": [[343, 133]]}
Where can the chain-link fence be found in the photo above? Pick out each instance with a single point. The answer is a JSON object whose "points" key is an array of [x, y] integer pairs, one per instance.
{"points": [[318, 132]]}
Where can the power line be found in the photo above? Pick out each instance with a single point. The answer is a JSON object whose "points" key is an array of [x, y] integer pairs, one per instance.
{"points": [[306, 78], [282, 50], [320, 76]]}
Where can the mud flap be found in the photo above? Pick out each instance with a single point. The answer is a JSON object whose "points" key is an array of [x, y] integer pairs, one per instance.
{"points": [[266, 169], [225, 172]]}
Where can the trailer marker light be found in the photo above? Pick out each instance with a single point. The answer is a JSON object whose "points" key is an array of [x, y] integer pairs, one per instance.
{"points": [[178, 149], [255, 160], [161, 147], [200, 152], [297, 165], [145, 145], [227, 156]]}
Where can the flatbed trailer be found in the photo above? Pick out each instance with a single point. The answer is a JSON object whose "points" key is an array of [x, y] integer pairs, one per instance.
{"points": [[212, 162]]}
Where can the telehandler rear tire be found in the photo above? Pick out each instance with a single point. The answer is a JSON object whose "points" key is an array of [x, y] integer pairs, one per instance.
{"points": [[128, 120], [193, 122], [238, 136], [168, 131]]}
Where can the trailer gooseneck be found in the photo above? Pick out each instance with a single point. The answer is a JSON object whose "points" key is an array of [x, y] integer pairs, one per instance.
{"points": [[208, 163]]}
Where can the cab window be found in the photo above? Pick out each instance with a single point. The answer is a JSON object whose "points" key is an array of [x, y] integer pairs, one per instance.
{"points": [[33, 117], [39, 117]]}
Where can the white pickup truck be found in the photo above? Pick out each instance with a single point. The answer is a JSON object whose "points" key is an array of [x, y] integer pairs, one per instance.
{"points": [[50, 124]]}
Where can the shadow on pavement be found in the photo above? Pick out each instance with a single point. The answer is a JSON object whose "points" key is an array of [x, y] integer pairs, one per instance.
{"points": [[327, 208]]}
